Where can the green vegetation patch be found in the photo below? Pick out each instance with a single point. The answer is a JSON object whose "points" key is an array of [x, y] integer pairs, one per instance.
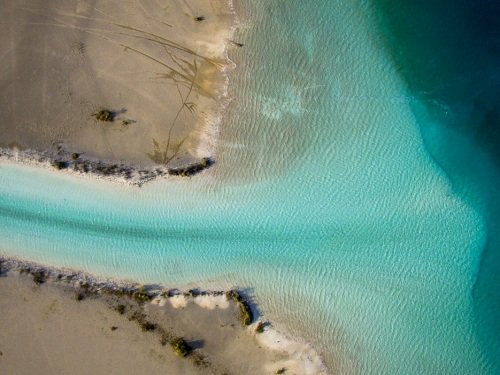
{"points": [[246, 315], [180, 347], [192, 169], [141, 295], [104, 115]]}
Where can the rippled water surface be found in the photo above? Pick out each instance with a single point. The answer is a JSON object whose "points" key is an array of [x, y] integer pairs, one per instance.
{"points": [[329, 202]]}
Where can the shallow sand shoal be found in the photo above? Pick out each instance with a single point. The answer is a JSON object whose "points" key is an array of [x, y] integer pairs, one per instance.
{"points": [[159, 70]]}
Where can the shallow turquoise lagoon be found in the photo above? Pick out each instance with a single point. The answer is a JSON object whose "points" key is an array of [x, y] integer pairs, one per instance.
{"points": [[334, 202]]}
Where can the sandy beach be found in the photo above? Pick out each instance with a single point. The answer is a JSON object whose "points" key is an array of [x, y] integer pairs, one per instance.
{"points": [[60, 322], [157, 68]]}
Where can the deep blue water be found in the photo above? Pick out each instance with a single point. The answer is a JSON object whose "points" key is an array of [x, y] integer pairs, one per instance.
{"points": [[448, 53]]}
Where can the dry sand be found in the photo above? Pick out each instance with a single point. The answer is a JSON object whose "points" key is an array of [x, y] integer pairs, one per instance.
{"points": [[152, 63], [44, 329]]}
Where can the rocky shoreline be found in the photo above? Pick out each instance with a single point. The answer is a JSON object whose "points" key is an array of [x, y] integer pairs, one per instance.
{"points": [[64, 160], [140, 303], [134, 302], [87, 285]]}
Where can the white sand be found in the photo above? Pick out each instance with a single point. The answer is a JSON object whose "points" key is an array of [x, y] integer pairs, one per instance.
{"points": [[300, 357]]}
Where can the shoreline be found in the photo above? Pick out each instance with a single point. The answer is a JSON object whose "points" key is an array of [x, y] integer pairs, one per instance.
{"points": [[74, 164], [288, 355]]}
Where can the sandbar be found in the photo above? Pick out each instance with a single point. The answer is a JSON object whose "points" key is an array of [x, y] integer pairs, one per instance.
{"points": [[60, 321], [159, 68]]}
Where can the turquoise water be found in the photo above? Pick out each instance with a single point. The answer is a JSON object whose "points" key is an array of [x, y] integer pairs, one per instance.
{"points": [[340, 200]]}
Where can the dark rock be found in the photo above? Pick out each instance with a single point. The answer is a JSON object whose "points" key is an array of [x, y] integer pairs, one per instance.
{"points": [[260, 327], [194, 292], [58, 164], [192, 169], [39, 277], [171, 293]]}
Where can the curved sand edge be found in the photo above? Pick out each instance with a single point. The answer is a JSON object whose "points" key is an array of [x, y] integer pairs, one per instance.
{"points": [[161, 72], [98, 169]]}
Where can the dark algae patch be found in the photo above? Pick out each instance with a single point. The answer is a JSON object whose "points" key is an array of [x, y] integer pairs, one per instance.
{"points": [[120, 309], [39, 275], [78, 163], [192, 169]]}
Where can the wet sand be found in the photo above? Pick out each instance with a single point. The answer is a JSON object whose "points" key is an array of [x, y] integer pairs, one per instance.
{"points": [[158, 67]]}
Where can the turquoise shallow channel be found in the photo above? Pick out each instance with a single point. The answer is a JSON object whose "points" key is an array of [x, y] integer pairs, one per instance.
{"points": [[355, 194]]}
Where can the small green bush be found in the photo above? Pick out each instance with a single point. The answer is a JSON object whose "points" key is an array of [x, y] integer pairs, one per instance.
{"points": [[141, 295], [234, 295], [104, 115], [180, 347], [246, 315]]}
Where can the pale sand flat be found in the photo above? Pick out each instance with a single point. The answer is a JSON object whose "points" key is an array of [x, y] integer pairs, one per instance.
{"points": [[151, 62], [45, 330]]}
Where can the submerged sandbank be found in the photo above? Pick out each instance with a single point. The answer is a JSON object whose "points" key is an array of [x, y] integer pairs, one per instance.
{"points": [[159, 69], [125, 327]]}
